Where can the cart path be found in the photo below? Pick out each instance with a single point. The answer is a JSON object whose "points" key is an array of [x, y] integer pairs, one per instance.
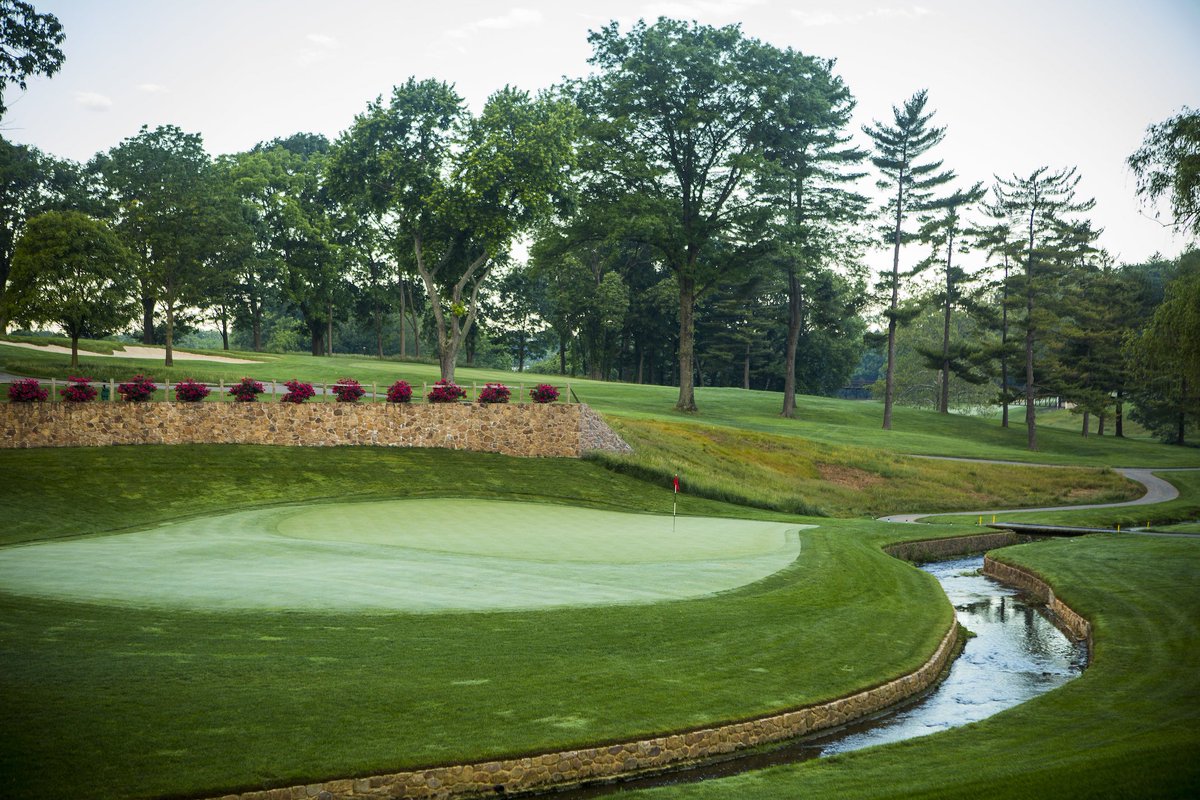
{"points": [[1157, 491]]}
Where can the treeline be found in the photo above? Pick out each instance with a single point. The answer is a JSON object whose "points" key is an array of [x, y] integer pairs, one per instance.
{"points": [[692, 212]]}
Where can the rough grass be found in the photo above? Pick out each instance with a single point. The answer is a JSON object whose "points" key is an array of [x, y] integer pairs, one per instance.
{"points": [[792, 474], [1128, 728], [98, 701]]}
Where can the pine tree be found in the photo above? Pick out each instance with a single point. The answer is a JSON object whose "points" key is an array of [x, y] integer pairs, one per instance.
{"points": [[899, 149], [1041, 206]]}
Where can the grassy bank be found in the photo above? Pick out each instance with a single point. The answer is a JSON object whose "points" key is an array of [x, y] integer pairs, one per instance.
{"points": [[105, 702], [1129, 727]]}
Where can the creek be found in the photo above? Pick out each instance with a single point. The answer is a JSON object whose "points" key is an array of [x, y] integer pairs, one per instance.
{"points": [[1016, 654]]}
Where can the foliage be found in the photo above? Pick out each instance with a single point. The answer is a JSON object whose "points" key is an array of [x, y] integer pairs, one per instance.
{"points": [[190, 391], [246, 390], [26, 390], [494, 393], [543, 393], [29, 45], [138, 389], [1168, 165], [71, 270], [912, 182], [445, 391], [297, 392], [78, 390], [347, 390], [400, 392]]}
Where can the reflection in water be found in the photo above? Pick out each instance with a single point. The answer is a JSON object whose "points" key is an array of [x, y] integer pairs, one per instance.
{"points": [[1016, 654]]}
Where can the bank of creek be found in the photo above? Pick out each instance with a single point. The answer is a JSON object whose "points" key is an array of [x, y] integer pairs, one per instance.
{"points": [[1016, 654]]}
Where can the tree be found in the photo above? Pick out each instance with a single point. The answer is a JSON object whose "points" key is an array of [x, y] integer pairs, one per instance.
{"points": [[1166, 358], [1168, 165], [71, 270], [29, 45], [809, 164], [176, 215], [899, 148], [671, 139], [945, 229], [21, 182], [1041, 205], [457, 189]]}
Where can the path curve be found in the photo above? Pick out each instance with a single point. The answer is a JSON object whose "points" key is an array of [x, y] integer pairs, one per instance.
{"points": [[1157, 491]]}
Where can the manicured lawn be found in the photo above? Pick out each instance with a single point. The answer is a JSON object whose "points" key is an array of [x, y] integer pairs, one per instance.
{"points": [[1128, 728], [108, 701]]}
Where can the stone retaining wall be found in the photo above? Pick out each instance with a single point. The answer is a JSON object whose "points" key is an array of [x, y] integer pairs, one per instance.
{"points": [[572, 767], [951, 547], [517, 430], [1031, 584]]}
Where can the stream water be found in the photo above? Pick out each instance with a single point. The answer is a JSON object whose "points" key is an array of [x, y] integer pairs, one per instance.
{"points": [[1016, 654]]}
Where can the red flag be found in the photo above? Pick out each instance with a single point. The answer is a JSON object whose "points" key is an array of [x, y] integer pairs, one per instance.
{"points": [[676, 484]]}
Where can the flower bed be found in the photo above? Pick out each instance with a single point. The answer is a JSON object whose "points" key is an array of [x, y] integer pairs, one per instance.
{"points": [[348, 390], [27, 390], [400, 392], [246, 390], [78, 390], [446, 392], [543, 393], [138, 390], [190, 391], [494, 393], [297, 392]]}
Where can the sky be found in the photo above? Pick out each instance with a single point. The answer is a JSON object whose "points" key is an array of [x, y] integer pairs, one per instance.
{"points": [[1018, 84]]}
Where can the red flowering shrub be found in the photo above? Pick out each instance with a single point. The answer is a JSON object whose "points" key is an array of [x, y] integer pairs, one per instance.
{"points": [[297, 392], [543, 393], [348, 390], [246, 390], [27, 390], [399, 392], [189, 391], [138, 390], [494, 393], [446, 392], [79, 390]]}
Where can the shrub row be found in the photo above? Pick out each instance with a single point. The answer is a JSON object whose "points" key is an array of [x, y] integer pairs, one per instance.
{"points": [[347, 390]]}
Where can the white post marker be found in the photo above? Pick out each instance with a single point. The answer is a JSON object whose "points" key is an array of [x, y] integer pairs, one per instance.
{"points": [[675, 503]]}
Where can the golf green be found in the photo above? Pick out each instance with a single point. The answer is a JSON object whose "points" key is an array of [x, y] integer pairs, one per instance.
{"points": [[422, 556]]}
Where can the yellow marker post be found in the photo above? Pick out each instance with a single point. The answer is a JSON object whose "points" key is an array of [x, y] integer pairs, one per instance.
{"points": [[1118, 527], [993, 518], [980, 521]]}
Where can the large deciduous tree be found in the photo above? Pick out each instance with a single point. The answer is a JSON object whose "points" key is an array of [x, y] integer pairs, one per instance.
{"points": [[176, 215], [1168, 165], [807, 176], [71, 270], [29, 45], [1042, 207], [899, 148], [672, 117], [456, 189]]}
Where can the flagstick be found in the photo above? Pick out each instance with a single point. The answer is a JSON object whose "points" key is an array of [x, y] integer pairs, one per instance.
{"points": [[674, 504]]}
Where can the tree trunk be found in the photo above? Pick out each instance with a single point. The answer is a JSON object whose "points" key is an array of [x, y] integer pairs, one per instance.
{"points": [[687, 304], [1119, 423], [1087, 423], [1004, 345], [170, 360], [795, 302], [944, 398], [746, 369], [403, 321], [1030, 412], [147, 319], [641, 365], [1100, 424], [890, 374], [329, 331], [224, 328], [256, 324], [562, 355], [1182, 421], [74, 352]]}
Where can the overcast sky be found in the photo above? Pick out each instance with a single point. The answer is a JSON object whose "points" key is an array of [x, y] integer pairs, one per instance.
{"points": [[1017, 83]]}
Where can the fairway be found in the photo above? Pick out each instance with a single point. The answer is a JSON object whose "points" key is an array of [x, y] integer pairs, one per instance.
{"points": [[421, 556]]}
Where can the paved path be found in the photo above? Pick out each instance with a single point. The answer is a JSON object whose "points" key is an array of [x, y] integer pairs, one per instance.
{"points": [[1157, 491]]}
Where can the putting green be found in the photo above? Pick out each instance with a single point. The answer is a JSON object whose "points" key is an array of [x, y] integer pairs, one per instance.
{"points": [[419, 556]]}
